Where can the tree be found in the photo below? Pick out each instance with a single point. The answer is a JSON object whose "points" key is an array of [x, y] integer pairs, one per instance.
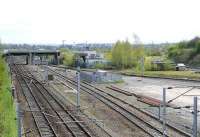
{"points": [[124, 55], [108, 55], [67, 56], [197, 47], [185, 51]]}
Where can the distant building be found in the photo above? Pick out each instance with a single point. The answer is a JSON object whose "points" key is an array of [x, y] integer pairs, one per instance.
{"points": [[90, 58], [90, 54]]}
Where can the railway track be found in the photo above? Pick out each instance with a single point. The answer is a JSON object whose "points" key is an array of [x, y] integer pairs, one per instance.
{"points": [[51, 118], [146, 122], [43, 124]]}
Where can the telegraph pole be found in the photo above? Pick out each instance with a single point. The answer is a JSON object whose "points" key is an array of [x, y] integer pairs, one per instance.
{"points": [[142, 65], [164, 112], [78, 88], [195, 112], [46, 73]]}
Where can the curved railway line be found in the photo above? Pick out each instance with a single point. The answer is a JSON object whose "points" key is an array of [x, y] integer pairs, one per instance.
{"points": [[145, 121], [51, 118]]}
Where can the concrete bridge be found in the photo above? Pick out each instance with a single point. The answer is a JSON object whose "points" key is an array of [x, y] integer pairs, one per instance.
{"points": [[30, 54]]}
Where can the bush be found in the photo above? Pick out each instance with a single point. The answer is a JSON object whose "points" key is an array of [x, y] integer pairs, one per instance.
{"points": [[195, 61], [67, 57], [99, 66], [148, 64], [124, 55], [167, 65]]}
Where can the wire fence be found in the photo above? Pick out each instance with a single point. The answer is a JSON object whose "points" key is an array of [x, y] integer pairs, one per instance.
{"points": [[100, 77]]}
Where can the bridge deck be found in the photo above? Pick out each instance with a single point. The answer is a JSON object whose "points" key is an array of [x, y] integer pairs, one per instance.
{"points": [[35, 52]]}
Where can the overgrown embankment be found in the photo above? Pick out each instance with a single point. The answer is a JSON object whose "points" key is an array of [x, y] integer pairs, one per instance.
{"points": [[187, 52], [7, 108]]}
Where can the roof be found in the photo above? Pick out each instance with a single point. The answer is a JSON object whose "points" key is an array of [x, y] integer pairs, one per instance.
{"points": [[180, 65], [101, 71]]}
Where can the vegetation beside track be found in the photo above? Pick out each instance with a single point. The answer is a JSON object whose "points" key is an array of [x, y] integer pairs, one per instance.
{"points": [[165, 74], [8, 127]]}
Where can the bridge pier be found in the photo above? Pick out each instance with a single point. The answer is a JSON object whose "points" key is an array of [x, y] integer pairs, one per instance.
{"points": [[30, 58], [27, 60], [56, 59]]}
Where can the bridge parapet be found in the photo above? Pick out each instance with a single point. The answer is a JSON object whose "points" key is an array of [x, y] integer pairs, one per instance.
{"points": [[31, 53]]}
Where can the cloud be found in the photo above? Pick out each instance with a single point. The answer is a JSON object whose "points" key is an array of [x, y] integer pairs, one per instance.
{"points": [[45, 21]]}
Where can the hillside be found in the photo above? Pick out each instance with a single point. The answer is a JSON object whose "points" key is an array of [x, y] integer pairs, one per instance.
{"points": [[187, 52]]}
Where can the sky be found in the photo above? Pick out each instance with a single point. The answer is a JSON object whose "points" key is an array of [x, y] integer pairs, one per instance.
{"points": [[98, 21]]}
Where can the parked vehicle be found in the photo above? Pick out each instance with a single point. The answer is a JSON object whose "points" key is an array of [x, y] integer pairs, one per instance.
{"points": [[180, 67]]}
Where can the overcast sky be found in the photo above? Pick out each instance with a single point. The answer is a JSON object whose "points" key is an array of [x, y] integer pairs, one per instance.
{"points": [[51, 21]]}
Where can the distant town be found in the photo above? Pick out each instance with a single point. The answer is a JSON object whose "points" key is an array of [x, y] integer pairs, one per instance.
{"points": [[79, 46]]}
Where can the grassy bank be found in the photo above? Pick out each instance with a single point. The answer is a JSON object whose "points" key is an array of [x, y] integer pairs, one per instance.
{"points": [[171, 74], [7, 108], [165, 74]]}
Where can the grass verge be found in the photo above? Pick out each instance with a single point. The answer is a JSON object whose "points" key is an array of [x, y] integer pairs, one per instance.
{"points": [[8, 127], [168, 74]]}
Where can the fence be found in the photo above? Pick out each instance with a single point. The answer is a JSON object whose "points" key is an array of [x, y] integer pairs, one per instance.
{"points": [[100, 77]]}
